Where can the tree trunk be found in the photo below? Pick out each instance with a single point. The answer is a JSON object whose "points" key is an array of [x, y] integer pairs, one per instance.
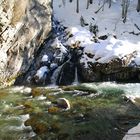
{"points": [[88, 3], [64, 2], [125, 6], [77, 9], [110, 3], [91, 1], [138, 6]]}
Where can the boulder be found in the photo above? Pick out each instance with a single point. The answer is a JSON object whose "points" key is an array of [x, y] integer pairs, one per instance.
{"points": [[63, 103], [117, 69]]}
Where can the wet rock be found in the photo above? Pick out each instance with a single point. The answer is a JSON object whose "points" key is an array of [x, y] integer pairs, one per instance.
{"points": [[82, 87], [38, 127], [53, 110], [55, 127], [53, 66], [63, 136], [41, 75], [61, 51], [66, 75], [136, 101], [118, 69], [36, 92], [63, 103]]}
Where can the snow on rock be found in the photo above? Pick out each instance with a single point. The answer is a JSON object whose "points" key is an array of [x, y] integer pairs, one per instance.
{"points": [[137, 59], [60, 51], [40, 73], [109, 48], [102, 51], [45, 58], [58, 45], [53, 66], [109, 23], [79, 34]]}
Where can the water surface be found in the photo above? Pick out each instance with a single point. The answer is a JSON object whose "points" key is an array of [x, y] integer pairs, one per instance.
{"points": [[98, 111]]}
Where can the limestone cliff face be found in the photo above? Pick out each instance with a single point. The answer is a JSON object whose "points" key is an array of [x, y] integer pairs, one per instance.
{"points": [[24, 25]]}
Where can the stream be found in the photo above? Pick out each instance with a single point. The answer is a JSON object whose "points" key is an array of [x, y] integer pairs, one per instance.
{"points": [[93, 111]]}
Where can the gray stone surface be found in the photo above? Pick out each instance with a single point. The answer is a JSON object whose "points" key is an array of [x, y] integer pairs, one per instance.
{"points": [[133, 133], [24, 25]]}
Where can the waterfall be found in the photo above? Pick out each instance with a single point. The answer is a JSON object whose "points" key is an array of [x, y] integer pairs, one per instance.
{"points": [[75, 82], [56, 73]]}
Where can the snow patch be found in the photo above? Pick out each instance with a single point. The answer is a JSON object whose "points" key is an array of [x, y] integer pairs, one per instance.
{"points": [[58, 45], [40, 73], [45, 58], [104, 50], [109, 20]]}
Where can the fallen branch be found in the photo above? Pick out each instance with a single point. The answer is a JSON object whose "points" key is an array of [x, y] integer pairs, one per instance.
{"points": [[3, 31], [137, 26], [134, 33], [100, 7]]}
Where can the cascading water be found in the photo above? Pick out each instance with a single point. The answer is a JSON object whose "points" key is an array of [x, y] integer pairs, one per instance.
{"points": [[56, 74], [76, 81]]}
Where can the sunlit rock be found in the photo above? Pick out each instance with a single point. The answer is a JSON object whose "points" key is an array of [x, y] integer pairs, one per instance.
{"points": [[133, 133], [24, 25], [63, 103]]}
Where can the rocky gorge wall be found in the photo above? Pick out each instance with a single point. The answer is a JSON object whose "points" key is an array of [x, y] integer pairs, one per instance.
{"points": [[24, 25]]}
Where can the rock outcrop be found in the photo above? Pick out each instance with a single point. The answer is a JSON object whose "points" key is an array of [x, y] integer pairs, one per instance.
{"points": [[62, 63], [119, 69], [24, 25], [104, 59]]}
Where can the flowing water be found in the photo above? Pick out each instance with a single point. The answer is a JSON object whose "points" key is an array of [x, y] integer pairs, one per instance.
{"points": [[76, 81], [97, 111], [56, 74]]}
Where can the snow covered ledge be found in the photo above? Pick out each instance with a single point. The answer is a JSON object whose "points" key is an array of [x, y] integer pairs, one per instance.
{"points": [[111, 58]]}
